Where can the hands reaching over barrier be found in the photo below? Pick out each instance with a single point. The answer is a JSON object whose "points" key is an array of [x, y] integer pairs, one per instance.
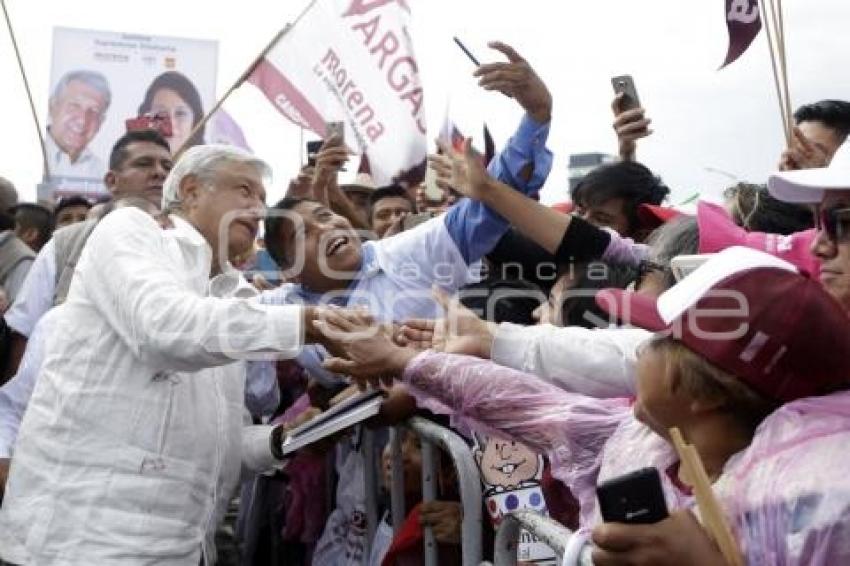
{"points": [[461, 331], [517, 79], [630, 126], [361, 349]]}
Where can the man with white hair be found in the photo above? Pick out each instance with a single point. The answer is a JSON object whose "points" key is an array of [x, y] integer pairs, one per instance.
{"points": [[133, 440], [78, 106]]}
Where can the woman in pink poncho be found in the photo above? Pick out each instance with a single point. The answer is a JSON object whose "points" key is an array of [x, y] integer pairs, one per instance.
{"points": [[747, 345]]}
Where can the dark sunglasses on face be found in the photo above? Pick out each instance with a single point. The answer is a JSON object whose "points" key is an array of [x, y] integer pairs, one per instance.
{"points": [[835, 222]]}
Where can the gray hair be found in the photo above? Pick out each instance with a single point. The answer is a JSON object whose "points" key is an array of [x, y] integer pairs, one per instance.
{"points": [[679, 236], [91, 78], [203, 161], [8, 195]]}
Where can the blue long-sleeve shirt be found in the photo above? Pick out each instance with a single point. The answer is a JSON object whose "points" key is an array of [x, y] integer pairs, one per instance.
{"points": [[396, 274], [475, 228]]}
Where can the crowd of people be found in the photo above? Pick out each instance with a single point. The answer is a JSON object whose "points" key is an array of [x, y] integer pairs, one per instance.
{"points": [[158, 347]]}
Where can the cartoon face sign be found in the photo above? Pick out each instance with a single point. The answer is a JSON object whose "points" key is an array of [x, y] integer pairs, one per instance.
{"points": [[506, 464]]}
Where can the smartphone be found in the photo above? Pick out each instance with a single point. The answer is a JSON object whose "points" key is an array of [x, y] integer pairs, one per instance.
{"points": [[635, 498], [335, 129], [684, 265], [313, 148], [626, 85]]}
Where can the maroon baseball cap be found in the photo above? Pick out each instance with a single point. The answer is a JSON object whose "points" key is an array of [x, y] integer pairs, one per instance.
{"points": [[651, 216], [754, 316]]}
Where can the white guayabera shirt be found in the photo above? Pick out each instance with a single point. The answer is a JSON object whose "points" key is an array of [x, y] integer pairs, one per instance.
{"points": [[133, 440]]}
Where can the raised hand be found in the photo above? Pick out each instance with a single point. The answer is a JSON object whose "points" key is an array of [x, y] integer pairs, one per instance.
{"points": [[630, 126], [803, 153], [518, 80], [302, 185], [462, 171], [330, 158]]}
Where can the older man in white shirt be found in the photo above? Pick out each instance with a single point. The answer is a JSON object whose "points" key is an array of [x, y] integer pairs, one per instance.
{"points": [[78, 107], [133, 440]]}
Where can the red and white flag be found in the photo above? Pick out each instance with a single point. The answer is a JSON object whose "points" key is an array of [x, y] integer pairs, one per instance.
{"points": [[352, 61], [744, 24]]}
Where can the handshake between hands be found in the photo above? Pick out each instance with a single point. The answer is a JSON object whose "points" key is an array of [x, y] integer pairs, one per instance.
{"points": [[374, 354]]}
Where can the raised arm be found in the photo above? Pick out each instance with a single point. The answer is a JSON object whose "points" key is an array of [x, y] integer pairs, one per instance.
{"points": [[567, 237], [331, 157], [524, 163], [630, 125]]}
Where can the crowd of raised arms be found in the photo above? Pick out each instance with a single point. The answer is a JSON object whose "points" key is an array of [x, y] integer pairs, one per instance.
{"points": [[158, 348]]}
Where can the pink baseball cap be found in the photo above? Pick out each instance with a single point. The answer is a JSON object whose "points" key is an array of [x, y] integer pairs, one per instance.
{"points": [[756, 317], [717, 232]]}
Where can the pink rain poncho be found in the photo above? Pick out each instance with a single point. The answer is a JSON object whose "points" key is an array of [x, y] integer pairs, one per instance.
{"points": [[787, 496]]}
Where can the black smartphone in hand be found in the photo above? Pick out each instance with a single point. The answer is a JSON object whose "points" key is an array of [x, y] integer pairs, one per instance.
{"points": [[313, 148], [635, 498], [625, 84]]}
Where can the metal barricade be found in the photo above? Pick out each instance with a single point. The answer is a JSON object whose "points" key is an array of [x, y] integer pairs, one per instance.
{"points": [[431, 434], [551, 532]]}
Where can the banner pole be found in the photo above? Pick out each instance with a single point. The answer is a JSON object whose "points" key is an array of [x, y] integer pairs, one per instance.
{"points": [[45, 163], [770, 43], [257, 60], [242, 78], [783, 62]]}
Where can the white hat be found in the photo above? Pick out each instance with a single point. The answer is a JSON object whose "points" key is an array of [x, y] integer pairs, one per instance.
{"points": [[808, 185]]}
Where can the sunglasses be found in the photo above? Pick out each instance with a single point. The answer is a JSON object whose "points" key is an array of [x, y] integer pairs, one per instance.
{"points": [[835, 222]]}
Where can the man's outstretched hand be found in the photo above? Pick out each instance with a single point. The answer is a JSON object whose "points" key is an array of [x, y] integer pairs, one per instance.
{"points": [[361, 348], [518, 80]]}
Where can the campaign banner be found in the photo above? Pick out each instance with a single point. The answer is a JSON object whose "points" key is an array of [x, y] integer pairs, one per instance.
{"points": [[352, 61], [101, 79], [743, 23]]}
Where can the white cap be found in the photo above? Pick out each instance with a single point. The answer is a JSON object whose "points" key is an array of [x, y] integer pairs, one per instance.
{"points": [[808, 185]]}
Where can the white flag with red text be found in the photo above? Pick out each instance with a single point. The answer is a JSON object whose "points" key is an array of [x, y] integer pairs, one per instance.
{"points": [[352, 61]]}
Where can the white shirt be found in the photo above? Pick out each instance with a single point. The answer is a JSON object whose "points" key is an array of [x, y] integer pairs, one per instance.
{"points": [[15, 393], [36, 294], [262, 395], [87, 165], [597, 363], [133, 439]]}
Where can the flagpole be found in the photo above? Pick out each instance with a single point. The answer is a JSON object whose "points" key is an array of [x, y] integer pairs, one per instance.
{"points": [[45, 165], [783, 60], [779, 91], [243, 77]]}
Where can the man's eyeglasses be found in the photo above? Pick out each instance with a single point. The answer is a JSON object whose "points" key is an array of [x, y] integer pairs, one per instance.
{"points": [[835, 222]]}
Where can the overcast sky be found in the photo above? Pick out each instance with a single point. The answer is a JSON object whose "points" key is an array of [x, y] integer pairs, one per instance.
{"points": [[705, 120]]}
